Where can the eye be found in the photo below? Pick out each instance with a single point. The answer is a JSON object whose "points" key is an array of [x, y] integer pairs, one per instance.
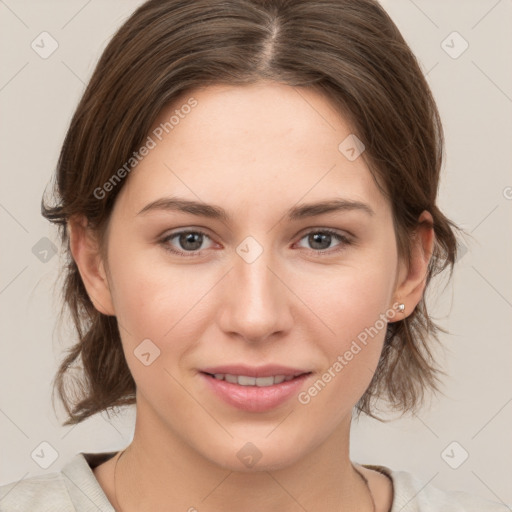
{"points": [[185, 243], [189, 243], [320, 240]]}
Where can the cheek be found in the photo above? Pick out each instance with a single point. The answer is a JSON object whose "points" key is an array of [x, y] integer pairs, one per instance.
{"points": [[350, 298], [155, 310], [150, 296], [351, 302], [164, 304]]}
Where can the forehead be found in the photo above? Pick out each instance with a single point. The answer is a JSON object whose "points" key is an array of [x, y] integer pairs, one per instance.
{"points": [[265, 145]]}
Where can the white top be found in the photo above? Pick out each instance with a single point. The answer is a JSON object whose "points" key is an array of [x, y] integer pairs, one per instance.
{"points": [[75, 489]]}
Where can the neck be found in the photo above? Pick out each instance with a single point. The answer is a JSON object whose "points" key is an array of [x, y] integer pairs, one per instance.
{"points": [[158, 468]]}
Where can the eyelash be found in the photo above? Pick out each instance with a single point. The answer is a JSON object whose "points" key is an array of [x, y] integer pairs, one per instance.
{"points": [[191, 254]]}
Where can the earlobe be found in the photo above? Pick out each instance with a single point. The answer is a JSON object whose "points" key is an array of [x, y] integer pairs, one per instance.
{"points": [[411, 285], [86, 253]]}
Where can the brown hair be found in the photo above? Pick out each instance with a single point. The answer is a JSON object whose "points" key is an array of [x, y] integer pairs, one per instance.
{"points": [[348, 50]]}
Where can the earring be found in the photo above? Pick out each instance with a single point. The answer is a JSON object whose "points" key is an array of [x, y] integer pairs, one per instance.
{"points": [[401, 308]]}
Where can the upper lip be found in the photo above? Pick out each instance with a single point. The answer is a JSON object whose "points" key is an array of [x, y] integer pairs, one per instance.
{"points": [[255, 371]]}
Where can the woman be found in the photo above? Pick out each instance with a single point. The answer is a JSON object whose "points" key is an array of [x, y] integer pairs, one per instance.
{"points": [[296, 147]]}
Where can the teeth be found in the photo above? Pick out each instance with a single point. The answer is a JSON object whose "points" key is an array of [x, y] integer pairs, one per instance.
{"points": [[248, 381], [244, 380], [264, 381]]}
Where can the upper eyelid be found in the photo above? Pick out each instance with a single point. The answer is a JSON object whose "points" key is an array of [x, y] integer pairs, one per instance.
{"points": [[301, 233], [337, 231]]}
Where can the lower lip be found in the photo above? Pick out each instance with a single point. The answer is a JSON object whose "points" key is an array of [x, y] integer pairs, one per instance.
{"points": [[254, 398]]}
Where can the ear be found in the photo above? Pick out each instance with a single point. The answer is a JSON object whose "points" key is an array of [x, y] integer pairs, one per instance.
{"points": [[411, 280], [86, 253]]}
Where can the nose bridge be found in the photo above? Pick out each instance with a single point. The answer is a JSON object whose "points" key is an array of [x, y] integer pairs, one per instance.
{"points": [[255, 304]]}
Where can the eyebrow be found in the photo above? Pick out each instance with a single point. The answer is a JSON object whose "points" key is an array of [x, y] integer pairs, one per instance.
{"points": [[216, 212]]}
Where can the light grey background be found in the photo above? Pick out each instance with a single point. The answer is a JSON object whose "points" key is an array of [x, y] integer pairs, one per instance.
{"points": [[474, 95]]}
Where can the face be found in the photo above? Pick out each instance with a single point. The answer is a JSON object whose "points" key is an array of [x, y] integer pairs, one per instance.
{"points": [[258, 284]]}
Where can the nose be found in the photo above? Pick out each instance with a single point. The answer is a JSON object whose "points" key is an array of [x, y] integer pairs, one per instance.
{"points": [[256, 301]]}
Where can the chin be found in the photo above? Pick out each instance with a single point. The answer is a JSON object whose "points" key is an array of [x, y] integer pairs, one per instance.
{"points": [[263, 454]]}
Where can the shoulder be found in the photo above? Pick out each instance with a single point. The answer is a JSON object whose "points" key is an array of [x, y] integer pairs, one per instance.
{"points": [[412, 494], [36, 494], [73, 489]]}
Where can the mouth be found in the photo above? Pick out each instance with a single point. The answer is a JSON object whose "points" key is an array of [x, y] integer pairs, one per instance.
{"points": [[254, 389], [261, 382]]}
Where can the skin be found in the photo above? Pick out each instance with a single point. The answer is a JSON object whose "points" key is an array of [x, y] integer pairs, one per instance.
{"points": [[256, 151]]}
